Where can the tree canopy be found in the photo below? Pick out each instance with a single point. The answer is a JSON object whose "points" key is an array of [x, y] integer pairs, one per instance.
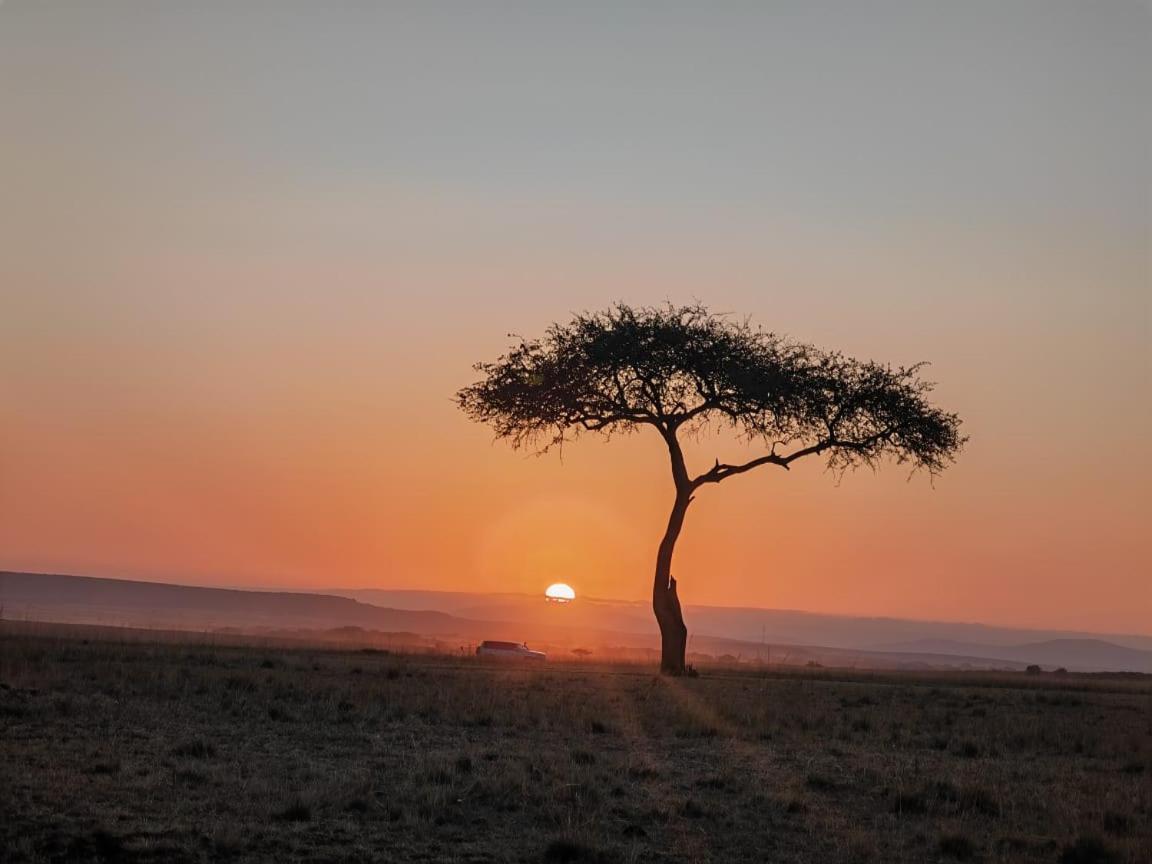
{"points": [[683, 369]]}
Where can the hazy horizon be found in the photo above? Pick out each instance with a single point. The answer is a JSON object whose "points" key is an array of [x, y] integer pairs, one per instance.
{"points": [[251, 252], [336, 589]]}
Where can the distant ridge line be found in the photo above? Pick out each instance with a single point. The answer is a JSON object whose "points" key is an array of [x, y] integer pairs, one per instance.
{"points": [[464, 618]]}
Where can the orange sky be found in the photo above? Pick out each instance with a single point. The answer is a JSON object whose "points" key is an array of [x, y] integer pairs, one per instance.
{"points": [[237, 296]]}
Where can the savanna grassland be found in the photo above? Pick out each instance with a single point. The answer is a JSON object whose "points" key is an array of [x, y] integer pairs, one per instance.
{"points": [[117, 751]]}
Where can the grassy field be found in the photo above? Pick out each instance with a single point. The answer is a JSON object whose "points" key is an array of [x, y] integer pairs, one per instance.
{"points": [[116, 751]]}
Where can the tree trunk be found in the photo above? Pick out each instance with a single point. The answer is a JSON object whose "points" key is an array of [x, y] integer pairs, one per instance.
{"points": [[665, 602]]}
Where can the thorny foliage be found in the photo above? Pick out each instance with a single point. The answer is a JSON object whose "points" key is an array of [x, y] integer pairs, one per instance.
{"points": [[685, 369]]}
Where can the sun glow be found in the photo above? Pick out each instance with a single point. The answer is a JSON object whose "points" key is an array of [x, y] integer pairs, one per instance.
{"points": [[559, 593]]}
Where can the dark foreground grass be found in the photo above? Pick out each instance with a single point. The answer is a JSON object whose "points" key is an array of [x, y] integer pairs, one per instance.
{"points": [[167, 752]]}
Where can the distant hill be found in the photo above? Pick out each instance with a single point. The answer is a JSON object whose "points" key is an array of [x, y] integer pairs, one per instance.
{"points": [[976, 642], [608, 628], [1073, 654], [83, 599], [588, 613]]}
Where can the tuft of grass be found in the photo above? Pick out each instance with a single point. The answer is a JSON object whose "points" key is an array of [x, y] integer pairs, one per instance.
{"points": [[195, 748], [1088, 849], [968, 749], [820, 782], [692, 810], [979, 800], [564, 851], [957, 846], [1116, 823], [191, 777], [100, 845], [912, 803], [297, 811], [794, 805], [583, 757]]}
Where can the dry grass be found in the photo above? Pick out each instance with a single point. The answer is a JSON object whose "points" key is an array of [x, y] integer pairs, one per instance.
{"points": [[169, 752]]}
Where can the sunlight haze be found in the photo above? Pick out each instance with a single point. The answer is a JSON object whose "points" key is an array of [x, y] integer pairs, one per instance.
{"points": [[248, 254]]}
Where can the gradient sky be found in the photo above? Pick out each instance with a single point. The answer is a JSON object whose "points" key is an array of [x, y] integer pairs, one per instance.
{"points": [[249, 250]]}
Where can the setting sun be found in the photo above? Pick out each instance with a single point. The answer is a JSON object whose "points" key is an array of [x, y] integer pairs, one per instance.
{"points": [[559, 593]]}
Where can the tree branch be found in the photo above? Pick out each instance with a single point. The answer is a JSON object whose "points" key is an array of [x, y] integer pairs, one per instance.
{"points": [[684, 416], [721, 471]]}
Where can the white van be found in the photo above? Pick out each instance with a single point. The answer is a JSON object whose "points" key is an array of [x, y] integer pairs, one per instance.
{"points": [[511, 650]]}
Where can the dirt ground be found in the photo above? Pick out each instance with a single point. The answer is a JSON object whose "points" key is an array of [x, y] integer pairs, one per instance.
{"points": [[136, 752]]}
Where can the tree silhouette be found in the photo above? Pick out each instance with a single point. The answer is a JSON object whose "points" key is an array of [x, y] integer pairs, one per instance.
{"points": [[683, 371]]}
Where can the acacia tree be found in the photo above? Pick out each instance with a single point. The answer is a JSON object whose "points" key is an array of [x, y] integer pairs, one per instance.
{"points": [[683, 371]]}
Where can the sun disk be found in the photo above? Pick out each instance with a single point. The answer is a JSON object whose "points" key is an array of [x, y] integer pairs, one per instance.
{"points": [[559, 593]]}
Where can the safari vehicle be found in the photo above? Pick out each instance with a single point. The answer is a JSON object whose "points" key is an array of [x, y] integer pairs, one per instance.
{"points": [[509, 650]]}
